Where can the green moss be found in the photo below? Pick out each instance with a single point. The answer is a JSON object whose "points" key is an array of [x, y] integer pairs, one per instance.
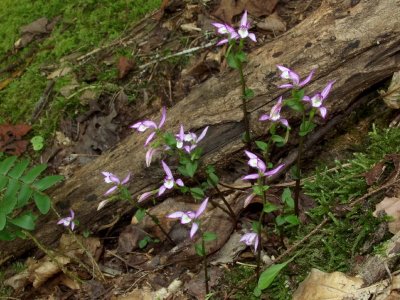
{"points": [[84, 25]]}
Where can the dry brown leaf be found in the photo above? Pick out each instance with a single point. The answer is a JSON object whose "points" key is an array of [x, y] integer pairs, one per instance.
{"points": [[11, 140], [189, 27], [392, 95], [125, 65], [272, 23], [230, 8], [333, 286], [143, 294], [44, 270], [391, 206], [18, 281]]}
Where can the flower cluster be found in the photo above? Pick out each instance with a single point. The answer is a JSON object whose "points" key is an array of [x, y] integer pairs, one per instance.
{"points": [[190, 217], [68, 221], [142, 126], [189, 141], [250, 239], [315, 101], [241, 33]]}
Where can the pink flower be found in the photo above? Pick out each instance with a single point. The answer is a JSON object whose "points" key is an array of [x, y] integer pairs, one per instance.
{"points": [[250, 239], [190, 140], [244, 28], [111, 178], [287, 73], [68, 221], [190, 217], [169, 180], [317, 100], [142, 126], [256, 162], [243, 31], [275, 114]]}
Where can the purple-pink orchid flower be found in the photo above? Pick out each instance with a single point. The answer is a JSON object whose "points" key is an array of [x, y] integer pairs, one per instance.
{"points": [[256, 162], [68, 221], [111, 178], [250, 239], [275, 114], [169, 180], [317, 100], [287, 73], [190, 217], [243, 31], [189, 141], [142, 126]]}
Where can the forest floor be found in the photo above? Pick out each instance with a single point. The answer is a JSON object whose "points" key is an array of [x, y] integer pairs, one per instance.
{"points": [[74, 76]]}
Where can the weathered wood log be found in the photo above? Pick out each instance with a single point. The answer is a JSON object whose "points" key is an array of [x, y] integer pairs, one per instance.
{"points": [[357, 46]]}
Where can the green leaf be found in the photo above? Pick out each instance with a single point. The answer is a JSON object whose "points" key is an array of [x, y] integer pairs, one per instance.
{"points": [[306, 127], [3, 220], [33, 173], [48, 181], [42, 202], [241, 56], [199, 249], [257, 292], [298, 94], [295, 104], [3, 182], [269, 207], [278, 139], [24, 194], [9, 200], [37, 142], [144, 242], [26, 221], [182, 171], [248, 93], [268, 276], [6, 164], [292, 219], [256, 226], [280, 220], [232, 61], [213, 178], [169, 139], [287, 198], [19, 169], [209, 236], [197, 193], [5, 235], [262, 146], [140, 213], [191, 168]]}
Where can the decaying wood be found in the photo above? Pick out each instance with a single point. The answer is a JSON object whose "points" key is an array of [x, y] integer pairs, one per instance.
{"points": [[357, 46]]}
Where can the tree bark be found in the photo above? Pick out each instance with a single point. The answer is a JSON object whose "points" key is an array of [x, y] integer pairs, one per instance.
{"points": [[358, 46]]}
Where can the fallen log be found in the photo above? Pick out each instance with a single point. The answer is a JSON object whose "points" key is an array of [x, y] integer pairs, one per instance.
{"points": [[357, 46]]}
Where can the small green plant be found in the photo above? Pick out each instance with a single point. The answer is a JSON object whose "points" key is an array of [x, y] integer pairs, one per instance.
{"points": [[19, 185], [37, 142]]}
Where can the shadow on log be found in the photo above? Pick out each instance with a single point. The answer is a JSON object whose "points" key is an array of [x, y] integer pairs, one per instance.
{"points": [[356, 46]]}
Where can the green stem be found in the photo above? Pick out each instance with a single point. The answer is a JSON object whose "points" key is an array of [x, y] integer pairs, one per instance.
{"points": [[87, 252], [261, 181], [203, 245], [244, 105], [298, 178], [231, 212], [52, 257], [155, 220]]}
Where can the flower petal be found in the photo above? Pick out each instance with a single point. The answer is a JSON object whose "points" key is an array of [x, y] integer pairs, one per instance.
{"points": [[161, 190], [221, 42], [250, 154], [149, 138], [252, 36], [149, 156], [327, 89], [264, 118], [243, 20], [307, 80], [167, 170], [110, 190], [72, 225], [251, 176], [274, 171], [102, 204], [126, 179], [248, 199], [194, 229], [201, 208], [284, 122], [163, 117], [177, 214], [286, 85], [145, 195], [323, 111], [179, 182], [202, 135]]}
